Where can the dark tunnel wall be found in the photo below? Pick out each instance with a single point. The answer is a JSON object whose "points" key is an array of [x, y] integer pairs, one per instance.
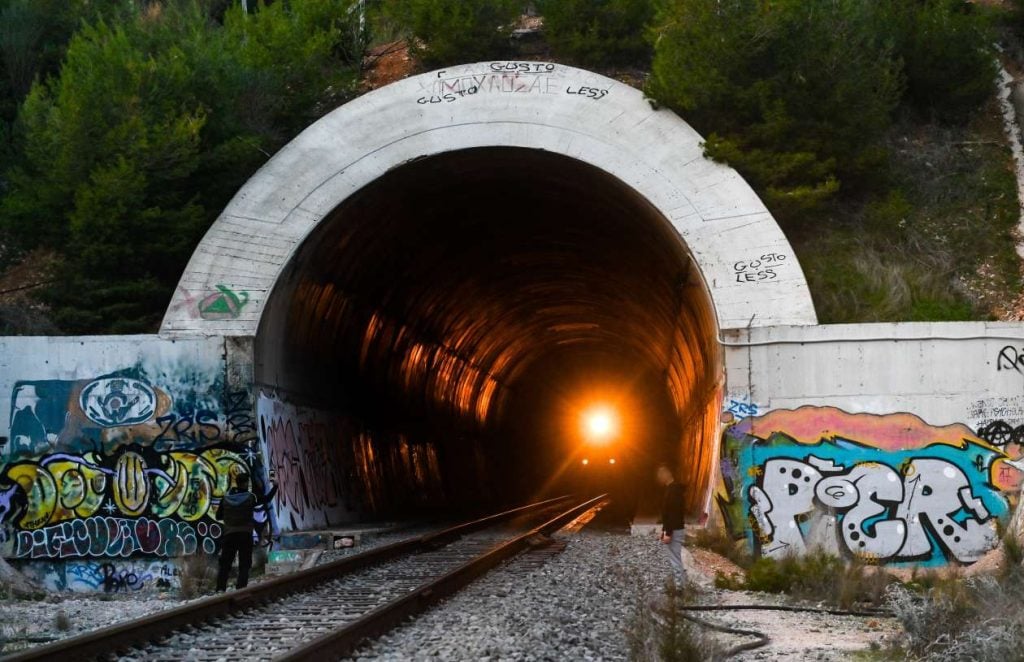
{"points": [[440, 329]]}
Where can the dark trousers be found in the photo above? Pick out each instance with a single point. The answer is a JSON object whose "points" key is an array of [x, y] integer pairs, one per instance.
{"points": [[235, 543]]}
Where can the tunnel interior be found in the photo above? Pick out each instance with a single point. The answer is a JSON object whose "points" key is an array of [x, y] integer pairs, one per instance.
{"points": [[459, 317]]}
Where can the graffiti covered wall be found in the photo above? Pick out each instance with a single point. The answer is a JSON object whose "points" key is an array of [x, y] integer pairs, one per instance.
{"points": [[879, 488], [887, 443], [117, 448], [333, 469]]}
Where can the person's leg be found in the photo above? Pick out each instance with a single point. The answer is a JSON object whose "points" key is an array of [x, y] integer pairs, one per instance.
{"points": [[675, 555], [244, 560], [228, 549]]}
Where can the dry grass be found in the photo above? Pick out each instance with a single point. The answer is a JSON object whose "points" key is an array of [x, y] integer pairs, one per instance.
{"points": [[659, 630], [61, 621], [198, 575], [932, 240], [816, 577], [948, 618]]}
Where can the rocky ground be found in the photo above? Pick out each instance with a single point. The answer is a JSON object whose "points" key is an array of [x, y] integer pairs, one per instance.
{"points": [[590, 601], [26, 623], [586, 603]]}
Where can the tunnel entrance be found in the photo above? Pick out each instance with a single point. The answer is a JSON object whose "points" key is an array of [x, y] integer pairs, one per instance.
{"points": [[442, 331], [424, 292]]}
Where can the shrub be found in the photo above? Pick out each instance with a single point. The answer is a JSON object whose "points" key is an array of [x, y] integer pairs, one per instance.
{"points": [[598, 32], [945, 617], [664, 630], [151, 125], [198, 575], [948, 57], [818, 577], [61, 621], [718, 540], [796, 95], [451, 32]]}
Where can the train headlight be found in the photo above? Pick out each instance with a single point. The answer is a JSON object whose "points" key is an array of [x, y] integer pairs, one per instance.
{"points": [[600, 424]]}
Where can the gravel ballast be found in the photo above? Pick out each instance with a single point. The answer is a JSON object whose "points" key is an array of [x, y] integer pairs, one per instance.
{"points": [[582, 604], [574, 607]]}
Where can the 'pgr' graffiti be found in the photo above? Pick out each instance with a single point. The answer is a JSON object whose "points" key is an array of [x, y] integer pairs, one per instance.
{"points": [[931, 502]]}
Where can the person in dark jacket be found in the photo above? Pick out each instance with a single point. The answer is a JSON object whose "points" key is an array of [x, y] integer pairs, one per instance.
{"points": [[236, 510], [673, 521]]}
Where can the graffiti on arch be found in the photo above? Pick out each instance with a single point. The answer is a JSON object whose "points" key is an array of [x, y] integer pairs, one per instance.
{"points": [[884, 489], [121, 464]]}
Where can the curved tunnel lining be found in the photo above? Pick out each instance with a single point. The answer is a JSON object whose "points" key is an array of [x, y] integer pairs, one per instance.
{"points": [[448, 320]]}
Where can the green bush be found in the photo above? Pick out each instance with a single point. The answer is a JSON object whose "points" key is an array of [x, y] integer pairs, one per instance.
{"points": [[948, 56], [151, 125], [598, 32], [818, 577], [449, 32], [796, 95]]}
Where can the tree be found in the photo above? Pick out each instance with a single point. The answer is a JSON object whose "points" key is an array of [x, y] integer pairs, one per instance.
{"points": [[599, 32], [448, 32], [151, 125], [796, 95], [947, 51]]}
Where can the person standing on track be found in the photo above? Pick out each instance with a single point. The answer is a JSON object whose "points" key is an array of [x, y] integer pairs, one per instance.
{"points": [[236, 510], [673, 521]]}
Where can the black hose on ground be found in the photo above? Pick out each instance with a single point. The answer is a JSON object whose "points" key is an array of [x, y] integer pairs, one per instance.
{"points": [[762, 639]]}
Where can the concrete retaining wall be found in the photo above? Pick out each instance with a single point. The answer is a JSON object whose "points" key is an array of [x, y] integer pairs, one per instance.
{"points": [[117, 448], [897, 443]]}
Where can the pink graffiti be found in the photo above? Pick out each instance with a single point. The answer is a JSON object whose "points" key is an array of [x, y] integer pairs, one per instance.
{"points": [[307, 465]]}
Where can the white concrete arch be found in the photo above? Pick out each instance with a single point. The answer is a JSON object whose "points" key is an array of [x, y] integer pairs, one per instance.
{"points": [[748, 266]]}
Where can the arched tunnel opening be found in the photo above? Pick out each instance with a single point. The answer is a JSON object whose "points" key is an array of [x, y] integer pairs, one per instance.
{"points": [[454, 322]]}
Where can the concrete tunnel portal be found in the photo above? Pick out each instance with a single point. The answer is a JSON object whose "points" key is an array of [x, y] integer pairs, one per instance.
{"points": [[457, 281], [490, 295]]}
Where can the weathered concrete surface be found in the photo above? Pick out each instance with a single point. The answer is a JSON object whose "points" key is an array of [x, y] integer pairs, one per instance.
{"points": [[745, 260], [114, 452], [895, 443], [962, 372]]}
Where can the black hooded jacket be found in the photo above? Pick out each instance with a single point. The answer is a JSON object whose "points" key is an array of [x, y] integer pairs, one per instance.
{"points": [[673, 515]]}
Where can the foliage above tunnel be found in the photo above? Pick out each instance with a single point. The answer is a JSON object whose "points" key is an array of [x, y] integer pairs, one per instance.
{"points": [[153, 122], [137, 120], [798, 96]]}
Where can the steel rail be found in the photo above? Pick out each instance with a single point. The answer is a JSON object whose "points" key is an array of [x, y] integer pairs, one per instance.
{"points": [[345, 640], [135, 633]]}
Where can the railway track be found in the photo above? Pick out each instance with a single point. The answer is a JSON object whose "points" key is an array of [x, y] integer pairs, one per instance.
{"points": [[325, 612]]}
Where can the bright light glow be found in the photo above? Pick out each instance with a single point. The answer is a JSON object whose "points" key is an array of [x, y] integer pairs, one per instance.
{"points": [[611, 460], [586, 461], [600, 424]]}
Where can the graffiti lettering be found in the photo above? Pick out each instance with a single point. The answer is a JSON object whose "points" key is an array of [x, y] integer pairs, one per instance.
{"points": [[932, 503], [112, 576], [523, 67], [301, 456], [1010, 359], [759, 269], [116, 536], [134, 482], [594, 93], [741, 408]]}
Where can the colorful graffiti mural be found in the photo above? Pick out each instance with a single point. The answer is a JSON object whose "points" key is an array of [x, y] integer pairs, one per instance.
{"points": [[884, 489], [116, 466]]}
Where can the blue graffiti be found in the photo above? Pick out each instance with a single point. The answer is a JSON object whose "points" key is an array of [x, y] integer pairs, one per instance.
{"points": [[925, 505]]}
